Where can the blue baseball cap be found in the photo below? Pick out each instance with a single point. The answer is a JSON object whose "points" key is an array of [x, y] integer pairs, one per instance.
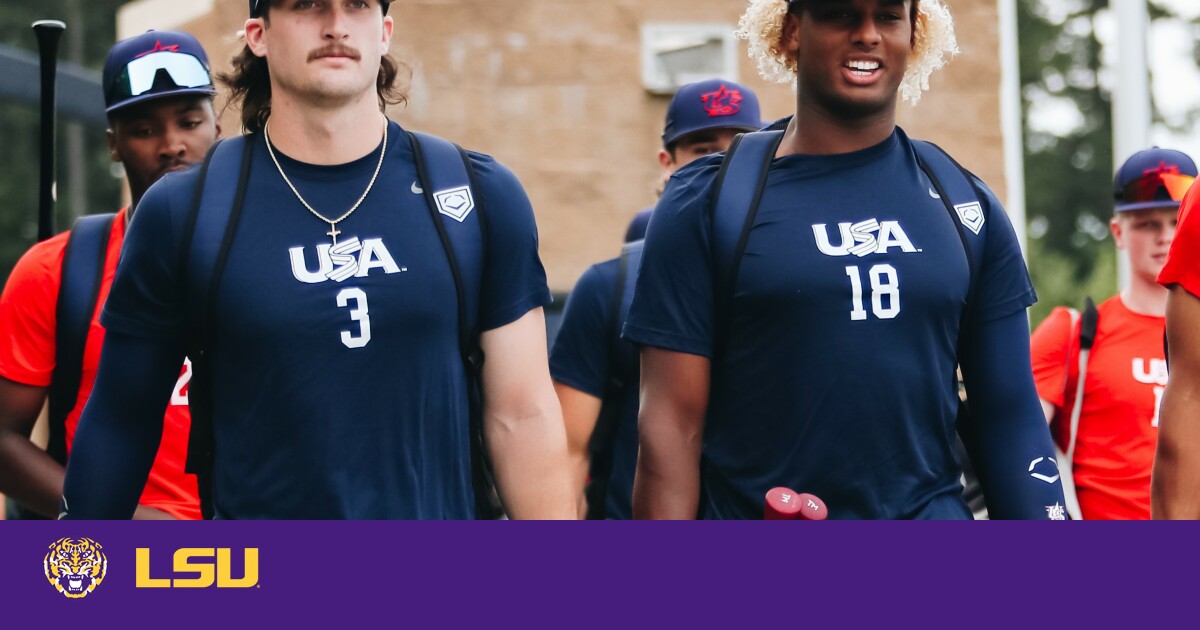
{"points": [[711, 104], [1153, 178], [256, 6], [155, 64]]}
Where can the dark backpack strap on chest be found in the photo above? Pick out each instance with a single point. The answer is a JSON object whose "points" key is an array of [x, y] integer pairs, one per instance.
{"points": [[447, 181], [963, 201], [957, 191], [78, 294], [742, 177], [212, 222], [603, 441]]}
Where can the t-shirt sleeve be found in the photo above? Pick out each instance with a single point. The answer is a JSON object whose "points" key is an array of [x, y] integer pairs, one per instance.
{"points": [[581, 350], [1003, 286], [147, 296], [514, 281], [1183, 261], [673, 302], [27, 314], [1050, 349], [637, 227]]}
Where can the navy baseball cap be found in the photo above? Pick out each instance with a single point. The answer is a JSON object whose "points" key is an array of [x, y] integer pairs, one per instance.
{"points": [[154, 65], [711, 104], [1153, 178], [256, 6]]}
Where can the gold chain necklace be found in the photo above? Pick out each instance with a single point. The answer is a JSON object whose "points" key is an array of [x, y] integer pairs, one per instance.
{"points": [[333, 231]]}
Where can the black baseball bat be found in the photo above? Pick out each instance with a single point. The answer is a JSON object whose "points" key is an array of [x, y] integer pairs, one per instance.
{"points": [[48, 32]]}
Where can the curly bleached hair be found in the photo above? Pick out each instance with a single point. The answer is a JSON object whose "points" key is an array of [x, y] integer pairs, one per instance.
{"points": [[934, 43]]}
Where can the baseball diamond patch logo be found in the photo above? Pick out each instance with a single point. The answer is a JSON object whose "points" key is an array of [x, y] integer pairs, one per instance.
{"points": [[455, 203], [1047, 471], [971, 215], [75, 566]]}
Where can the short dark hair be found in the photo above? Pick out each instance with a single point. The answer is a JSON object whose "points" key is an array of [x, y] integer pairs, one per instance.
{"points": [[249, 83]]}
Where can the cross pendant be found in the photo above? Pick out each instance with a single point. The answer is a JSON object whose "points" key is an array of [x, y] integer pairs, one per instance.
{"points": [[333, 232]]}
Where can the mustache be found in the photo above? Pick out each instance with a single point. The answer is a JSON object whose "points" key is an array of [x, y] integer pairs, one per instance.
{"points": [[334, 50]]}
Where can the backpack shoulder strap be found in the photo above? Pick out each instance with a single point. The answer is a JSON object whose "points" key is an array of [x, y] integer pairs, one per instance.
{"points": [[212, 221], [209, 231], [447, 180], [602, 441], [627, 275], [82, 274], [1089, 320], [955, 186], [735, 198]]}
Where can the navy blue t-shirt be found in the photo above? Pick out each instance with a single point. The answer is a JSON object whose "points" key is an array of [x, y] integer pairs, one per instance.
{"points": [[339, 391], [582, 358], [837, 373], [637, 226]]}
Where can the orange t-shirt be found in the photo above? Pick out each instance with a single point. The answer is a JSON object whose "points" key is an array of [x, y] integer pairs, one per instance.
{"points": [[27, 319], [1118, 426], [1183, 262]]}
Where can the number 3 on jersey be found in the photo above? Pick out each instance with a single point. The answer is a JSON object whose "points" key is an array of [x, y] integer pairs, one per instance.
{"points": [[885, 292], [359, 313]]}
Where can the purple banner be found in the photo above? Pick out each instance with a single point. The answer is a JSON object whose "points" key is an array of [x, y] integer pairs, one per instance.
{"points": [[595, 574]]}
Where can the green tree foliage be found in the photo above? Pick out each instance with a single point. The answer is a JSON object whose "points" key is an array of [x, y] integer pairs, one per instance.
{"points": [[1068, 173], [91, 28], [1054, 276]]}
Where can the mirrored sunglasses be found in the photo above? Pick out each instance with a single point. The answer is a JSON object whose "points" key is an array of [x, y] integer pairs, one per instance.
{"points": [[138, 76], [1158, 187]]}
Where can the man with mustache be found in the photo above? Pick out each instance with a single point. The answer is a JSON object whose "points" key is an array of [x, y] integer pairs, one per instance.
{"points": [[335, 370], [159, 98], [860, 290]]}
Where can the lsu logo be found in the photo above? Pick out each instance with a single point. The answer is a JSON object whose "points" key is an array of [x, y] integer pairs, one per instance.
{"points": [[863, 238], [75, 566], [348, 259], [199, 561], [723, 102]]}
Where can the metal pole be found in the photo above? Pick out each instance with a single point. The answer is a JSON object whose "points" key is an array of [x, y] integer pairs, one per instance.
{"points": [[1131, 98], [1010, 120]]}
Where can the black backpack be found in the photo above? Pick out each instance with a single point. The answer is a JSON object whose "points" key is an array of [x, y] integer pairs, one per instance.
{"points": [[78, 294]]}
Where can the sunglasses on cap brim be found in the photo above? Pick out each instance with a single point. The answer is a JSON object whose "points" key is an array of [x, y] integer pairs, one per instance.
{"points": [[1158, 187], [137, 77]]}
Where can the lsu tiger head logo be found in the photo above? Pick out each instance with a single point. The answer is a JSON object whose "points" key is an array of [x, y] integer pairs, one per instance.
{"points": [[75, 566]]}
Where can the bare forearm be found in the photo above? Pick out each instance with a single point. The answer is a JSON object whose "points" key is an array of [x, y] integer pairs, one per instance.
{"points": [[533, 473], [667, 483], [29, 476], [1175, 485], [580, 412], [1175, 489]]}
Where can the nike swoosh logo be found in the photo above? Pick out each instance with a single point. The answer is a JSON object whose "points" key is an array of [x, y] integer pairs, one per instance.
{"points": [[933, 193], [417, 190]]}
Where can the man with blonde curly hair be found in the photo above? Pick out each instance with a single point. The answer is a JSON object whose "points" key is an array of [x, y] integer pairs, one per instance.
{"points": [[823, 355]]}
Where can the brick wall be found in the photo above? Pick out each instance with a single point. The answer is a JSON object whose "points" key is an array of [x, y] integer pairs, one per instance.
{"points": [[553, 89]]}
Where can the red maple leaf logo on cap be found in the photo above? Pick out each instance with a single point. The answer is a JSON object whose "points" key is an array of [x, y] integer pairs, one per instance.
{"points": [[1162, 169], [723, 102], [158, 47]]}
